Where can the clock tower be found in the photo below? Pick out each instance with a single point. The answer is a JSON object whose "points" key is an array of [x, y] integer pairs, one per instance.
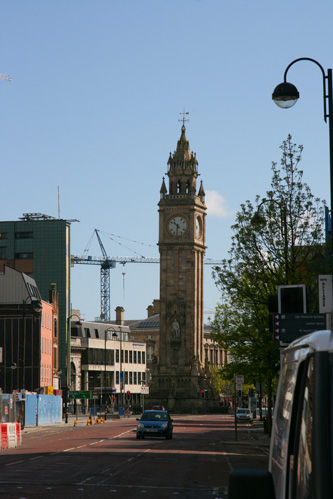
{"points": [[179, 379]]}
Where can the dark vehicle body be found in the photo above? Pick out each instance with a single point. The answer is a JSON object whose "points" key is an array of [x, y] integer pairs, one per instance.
{"points": [[154, 424]]}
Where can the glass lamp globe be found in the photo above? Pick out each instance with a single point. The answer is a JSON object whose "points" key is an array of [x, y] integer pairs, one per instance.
{"points": [[285, 95]]}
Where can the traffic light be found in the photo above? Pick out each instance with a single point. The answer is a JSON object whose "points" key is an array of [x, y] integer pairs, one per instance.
{"points": [[128, 395], [204, 394]]}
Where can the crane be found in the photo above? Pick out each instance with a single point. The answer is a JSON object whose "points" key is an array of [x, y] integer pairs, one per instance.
{"points": [[109, 262]]}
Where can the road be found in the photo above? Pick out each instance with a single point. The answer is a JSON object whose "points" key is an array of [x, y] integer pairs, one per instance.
{"points": [[99, 461]]}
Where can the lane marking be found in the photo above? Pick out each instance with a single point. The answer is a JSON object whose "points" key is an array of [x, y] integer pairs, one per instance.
{"points": [[16, 462]]}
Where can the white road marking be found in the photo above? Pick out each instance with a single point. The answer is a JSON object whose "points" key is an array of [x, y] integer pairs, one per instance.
{"points": [[16, 462]]}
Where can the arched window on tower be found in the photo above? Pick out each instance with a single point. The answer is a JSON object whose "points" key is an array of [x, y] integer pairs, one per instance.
{"points": [[179, 187], [188, 186]]}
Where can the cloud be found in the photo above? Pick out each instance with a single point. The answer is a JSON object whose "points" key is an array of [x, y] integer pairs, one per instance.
{"points": [[217, 205]]}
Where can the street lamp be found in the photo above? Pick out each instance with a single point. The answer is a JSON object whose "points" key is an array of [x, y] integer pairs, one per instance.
{"points": [[37, 307], [121, 374], [285, 95], [105, 350], [68, 367]]}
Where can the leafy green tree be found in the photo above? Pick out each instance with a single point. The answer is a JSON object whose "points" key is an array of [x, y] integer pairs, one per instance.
{"points": [[277, 240]]}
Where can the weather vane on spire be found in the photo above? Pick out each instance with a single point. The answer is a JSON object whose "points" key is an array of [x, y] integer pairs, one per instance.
{"points": [[184, 118]]}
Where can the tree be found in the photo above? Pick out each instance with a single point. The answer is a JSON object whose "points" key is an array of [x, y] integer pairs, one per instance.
{"points": [[277, 240]]}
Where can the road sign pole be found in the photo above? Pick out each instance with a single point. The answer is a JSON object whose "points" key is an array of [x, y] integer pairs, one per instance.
{"points": [[235, 407]]}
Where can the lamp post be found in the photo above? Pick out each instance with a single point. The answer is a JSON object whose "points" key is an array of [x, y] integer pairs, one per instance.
{"points": [[68, 367], [115, 335], [105, 350], [37, 307], [285, 95]]}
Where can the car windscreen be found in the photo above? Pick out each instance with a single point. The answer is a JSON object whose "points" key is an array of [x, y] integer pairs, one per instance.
{"points": [[154, 416]]}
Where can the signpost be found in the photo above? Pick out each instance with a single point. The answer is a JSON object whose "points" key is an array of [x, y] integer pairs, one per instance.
{"points": [[289, 327], [86, 394]]}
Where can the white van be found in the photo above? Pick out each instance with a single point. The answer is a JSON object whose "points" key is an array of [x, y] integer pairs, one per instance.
{"points": [[301, 452]]}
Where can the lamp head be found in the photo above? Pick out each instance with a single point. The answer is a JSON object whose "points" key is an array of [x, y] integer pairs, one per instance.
{"points": [[285, 95]]}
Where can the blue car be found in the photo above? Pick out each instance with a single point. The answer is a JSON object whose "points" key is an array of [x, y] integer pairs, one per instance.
{"points": [[154, 424]]}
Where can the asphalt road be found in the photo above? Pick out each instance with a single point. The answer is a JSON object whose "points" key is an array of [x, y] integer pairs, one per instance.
{"points": [[106, 460]]}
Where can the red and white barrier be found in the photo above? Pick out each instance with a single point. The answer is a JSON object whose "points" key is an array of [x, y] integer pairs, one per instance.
{"points": [[10, 435]]}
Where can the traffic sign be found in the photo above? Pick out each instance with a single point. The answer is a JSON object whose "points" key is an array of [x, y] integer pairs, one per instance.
{"points": [[86, 394], [239, 378], [289, 327]]}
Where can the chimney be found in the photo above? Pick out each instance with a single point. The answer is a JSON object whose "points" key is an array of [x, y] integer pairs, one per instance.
{"points": [[119, 316], [150, 310], [156, 304]]}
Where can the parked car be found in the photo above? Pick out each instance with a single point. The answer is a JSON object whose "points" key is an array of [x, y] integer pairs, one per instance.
{"points": [[301, 452], [154, 424], [244, 416]]}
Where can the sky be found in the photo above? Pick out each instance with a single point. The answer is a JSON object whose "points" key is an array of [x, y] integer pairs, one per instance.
{"points": [[93, 109]]}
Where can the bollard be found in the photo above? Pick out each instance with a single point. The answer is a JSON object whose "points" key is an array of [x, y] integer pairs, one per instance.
{"points": [[89, 422], [75, 422], [96, 421]]}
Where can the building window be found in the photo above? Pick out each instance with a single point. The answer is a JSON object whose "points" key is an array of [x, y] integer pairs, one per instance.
{"points": [[122, 355], [139, 357], [135, 378], [117, 356], [23, 235], [143, 358], [117, 378], [126, 356], [126, 378], [3, 252], [134, 357], [139, 378], [3, 235], [23, 256], [150, 353], [131, 356], [130, 378]]}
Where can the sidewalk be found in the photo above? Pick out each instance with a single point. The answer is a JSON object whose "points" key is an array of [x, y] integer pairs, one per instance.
{"points": [[256, 431], [81, 420]]}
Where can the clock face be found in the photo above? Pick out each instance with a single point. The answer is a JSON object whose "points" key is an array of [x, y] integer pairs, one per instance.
{"points": [[177, 226], [198, 227]]}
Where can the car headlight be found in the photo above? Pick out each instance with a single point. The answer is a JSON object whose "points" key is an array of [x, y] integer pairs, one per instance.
{"points": [[164, 425], [140, 426]]}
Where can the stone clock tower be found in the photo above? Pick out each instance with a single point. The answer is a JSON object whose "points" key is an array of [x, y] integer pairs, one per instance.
{"points": [[179, 377]]}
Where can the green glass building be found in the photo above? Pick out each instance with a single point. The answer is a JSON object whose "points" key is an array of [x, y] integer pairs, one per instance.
{"points": [[39, 246]]}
